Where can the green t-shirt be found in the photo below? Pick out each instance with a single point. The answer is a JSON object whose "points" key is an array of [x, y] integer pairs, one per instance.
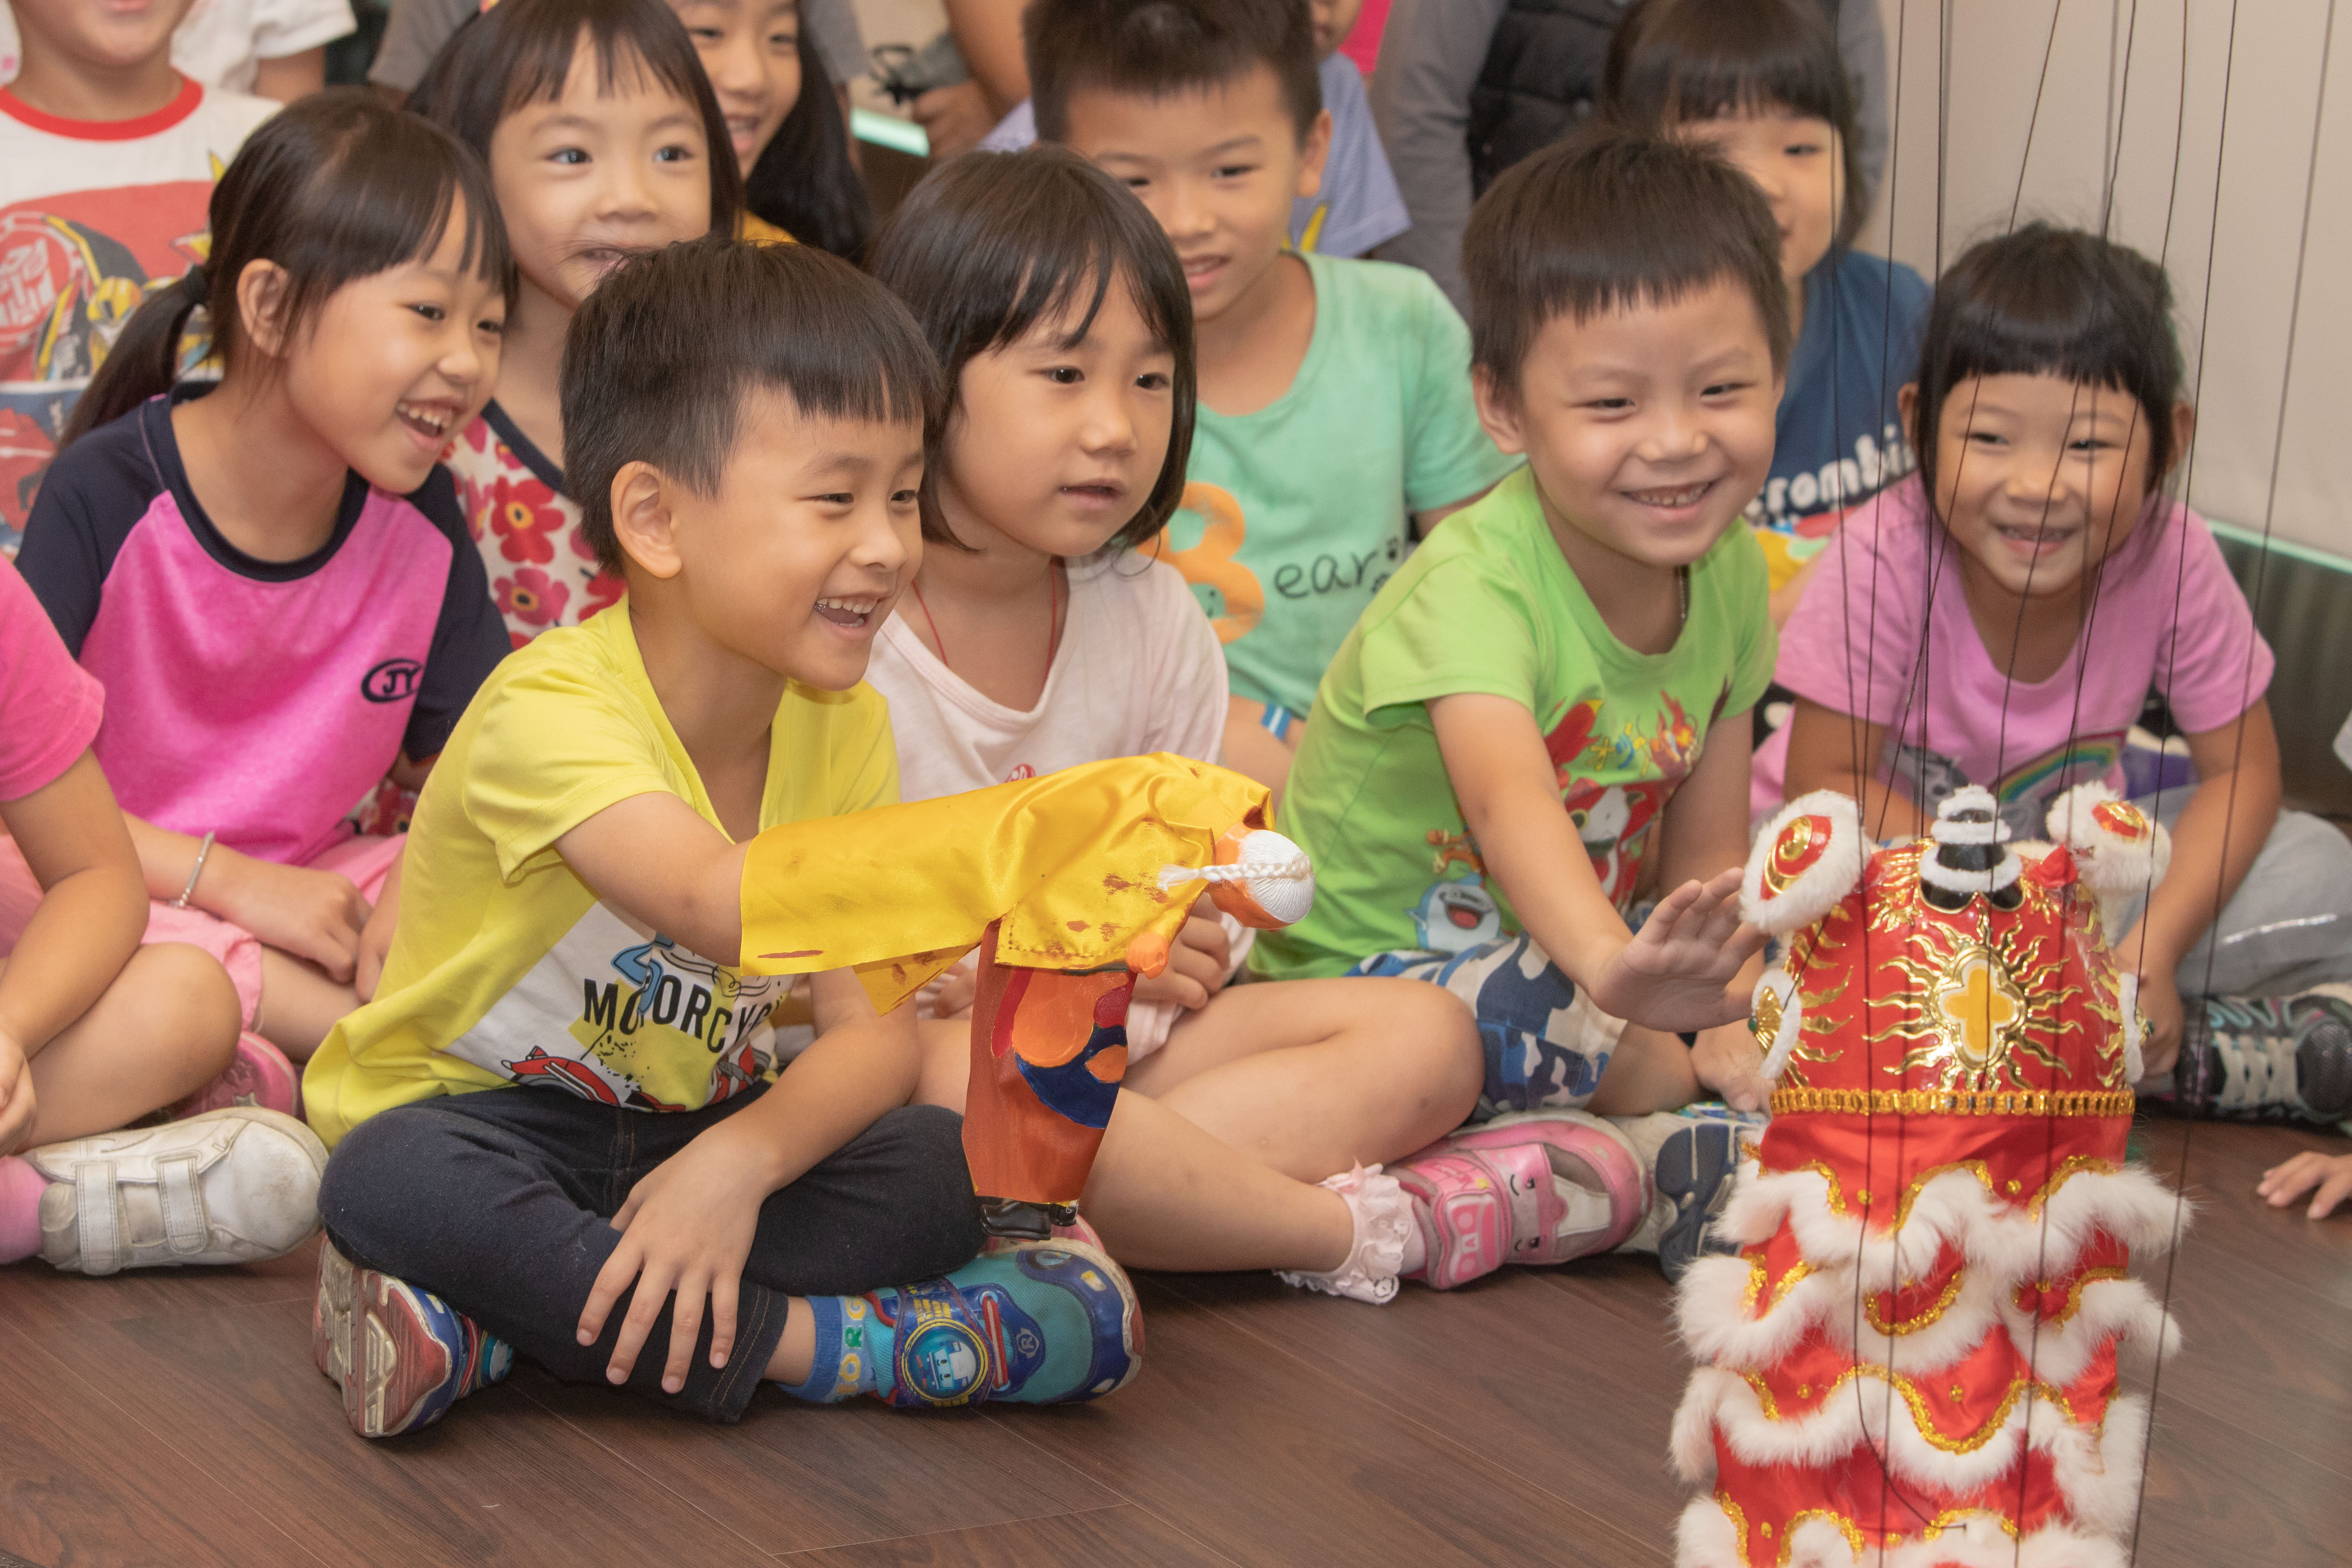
{"points": [[1489, 605], [1294, 516]]}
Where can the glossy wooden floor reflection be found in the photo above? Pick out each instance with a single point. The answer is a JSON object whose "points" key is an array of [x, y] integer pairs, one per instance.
{"points": [[176, 1420]]}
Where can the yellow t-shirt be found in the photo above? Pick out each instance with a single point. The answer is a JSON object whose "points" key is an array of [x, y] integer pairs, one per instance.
{"points": [[506, 969]]}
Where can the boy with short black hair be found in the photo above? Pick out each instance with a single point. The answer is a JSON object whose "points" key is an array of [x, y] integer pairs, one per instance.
{"points": [[555, 1113], [1335, 412], [1543, 717]]}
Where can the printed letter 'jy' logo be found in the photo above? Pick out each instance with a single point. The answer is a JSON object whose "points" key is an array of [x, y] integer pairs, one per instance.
{"points": [[393, 681]]}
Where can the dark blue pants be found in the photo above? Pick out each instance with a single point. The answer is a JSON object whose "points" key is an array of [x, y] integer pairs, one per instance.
{"points": [[498, 1202]]}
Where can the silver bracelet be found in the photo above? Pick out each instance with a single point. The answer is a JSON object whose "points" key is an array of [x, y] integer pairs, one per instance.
{"points": [[195, 871]]}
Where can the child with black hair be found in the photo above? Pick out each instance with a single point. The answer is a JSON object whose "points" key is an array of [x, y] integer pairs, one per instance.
{"points": [[1763, 83], [2000, 619], [1544, 716], [538, 1138], [602, 138], [1040, 634], [1335, 417], [270, 575]]}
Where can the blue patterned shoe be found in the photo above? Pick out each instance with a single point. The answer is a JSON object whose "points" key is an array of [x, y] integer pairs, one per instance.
{"points": [[2261, 1059], [401, 1355], [1693, 1155], [1032, 1322]]}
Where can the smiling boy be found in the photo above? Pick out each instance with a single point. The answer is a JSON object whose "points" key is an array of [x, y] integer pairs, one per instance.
{"points": [[555, 1116], [1335, 412], [1543, 717]]}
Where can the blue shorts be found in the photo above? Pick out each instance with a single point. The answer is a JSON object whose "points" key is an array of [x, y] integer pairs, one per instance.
{"points": [[1545, 1045]]}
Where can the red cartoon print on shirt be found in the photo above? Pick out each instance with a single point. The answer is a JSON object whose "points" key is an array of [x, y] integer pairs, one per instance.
{"points": [[1614, 785]]}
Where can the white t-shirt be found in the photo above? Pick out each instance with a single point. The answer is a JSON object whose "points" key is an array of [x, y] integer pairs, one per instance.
{"points": [[221, 42], [1139, 670], [94, 216]]}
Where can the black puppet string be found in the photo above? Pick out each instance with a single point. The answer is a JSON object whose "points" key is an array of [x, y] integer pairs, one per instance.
{"points": [[2262, 573], [1913, 697]]}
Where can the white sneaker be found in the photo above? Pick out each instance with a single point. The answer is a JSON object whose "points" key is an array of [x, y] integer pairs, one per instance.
{"points": [[235, 1185]]}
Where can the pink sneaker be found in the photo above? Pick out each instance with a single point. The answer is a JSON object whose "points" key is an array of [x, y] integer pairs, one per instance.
{"points": [[258, 1074], [1540, 1186]]}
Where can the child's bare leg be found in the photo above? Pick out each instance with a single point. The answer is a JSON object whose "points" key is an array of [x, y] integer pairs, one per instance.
{"points": [[299, 1004], [167, 1025], [1166, 1195], [1650, 1070], [1314, 1076]]}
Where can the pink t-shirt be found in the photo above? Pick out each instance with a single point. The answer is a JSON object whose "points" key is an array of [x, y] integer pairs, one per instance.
{"points": [[52, 705], [1883, 631]]}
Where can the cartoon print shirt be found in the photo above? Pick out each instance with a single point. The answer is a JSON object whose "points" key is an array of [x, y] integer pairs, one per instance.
{"points": [[1883, 631], [1839, 436], [258, 700], [542, 571], [94, 216], [1490, 605], [506, 969], [1295, 515]]}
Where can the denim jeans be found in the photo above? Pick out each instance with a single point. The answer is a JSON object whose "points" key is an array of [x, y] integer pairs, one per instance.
{"points": [[498, 1202]]}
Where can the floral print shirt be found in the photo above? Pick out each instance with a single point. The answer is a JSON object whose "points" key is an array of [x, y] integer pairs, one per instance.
{"points": [[542, 571]]}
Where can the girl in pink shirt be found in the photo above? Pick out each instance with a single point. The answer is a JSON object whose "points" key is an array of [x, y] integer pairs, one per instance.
{"points": [[271, 576], [2001, 620]]}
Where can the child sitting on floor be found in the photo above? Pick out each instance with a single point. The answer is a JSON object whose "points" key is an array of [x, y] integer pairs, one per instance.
{"points": [[1335, 412], [270, 575], [603, 139], [524, 1157], [1761, 81], [95, 1029], [107, 158], [1544, 715], [2001, 620], [1039, 634]]}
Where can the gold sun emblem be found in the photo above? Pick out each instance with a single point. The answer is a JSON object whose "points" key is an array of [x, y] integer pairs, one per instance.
{"points": [[1764, 1023], [1976, 1008]]}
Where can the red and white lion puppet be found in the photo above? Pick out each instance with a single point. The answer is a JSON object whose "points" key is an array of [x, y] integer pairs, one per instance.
{"points": [[1912, 1361]]}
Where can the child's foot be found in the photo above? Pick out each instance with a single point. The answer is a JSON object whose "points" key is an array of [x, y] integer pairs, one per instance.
{"points": [[1028, 1322], [1385, 1222], [1692, 1156], [401, 1355], [235, 1185], [258, 1074], [1536, 1186], [2267, 1058]]}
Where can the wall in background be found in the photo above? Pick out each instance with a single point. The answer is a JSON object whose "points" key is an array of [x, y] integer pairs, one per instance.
{"points": [[2208, 119]]}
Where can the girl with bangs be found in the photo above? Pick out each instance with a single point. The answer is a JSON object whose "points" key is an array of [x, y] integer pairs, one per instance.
{"points": [[270, 575], [1761, 81], [1036, 637], [604, 139]]}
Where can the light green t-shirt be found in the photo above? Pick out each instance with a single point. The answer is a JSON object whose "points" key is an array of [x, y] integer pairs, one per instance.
{"points": [[1295, 515], [1489, 605]]}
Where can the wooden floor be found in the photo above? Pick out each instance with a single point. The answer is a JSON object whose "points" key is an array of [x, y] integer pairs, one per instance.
{"points": [[178, 1419]]}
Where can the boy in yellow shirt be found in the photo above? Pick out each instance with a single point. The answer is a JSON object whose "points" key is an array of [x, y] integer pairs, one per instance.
{"points": [[572, 924]]}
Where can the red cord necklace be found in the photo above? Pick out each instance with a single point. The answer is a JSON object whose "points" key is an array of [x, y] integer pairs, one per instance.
{"points": [[1053, 618]]}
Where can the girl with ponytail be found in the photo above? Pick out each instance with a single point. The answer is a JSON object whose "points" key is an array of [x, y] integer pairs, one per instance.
{"points": [[270, 575]]}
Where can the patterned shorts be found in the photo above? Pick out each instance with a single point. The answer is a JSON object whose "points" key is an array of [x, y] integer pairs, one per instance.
{"points": [[1546, 1044]]}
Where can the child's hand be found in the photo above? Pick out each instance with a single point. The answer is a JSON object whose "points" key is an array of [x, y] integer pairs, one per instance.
{"points": [[686, 1228], [1197, 962], [375, 941], [1728, 1060], [2159, 999], [2331, 1173], [1678, 971], [313, 914], [16, 1095]]}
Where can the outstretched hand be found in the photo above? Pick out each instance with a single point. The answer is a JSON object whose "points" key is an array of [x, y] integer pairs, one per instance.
{"points": [[2330, 1174], [1680, 970]]}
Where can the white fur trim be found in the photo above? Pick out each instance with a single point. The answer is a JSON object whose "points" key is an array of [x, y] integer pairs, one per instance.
{"points": [[1816, 890], [2094, 1472], [2109, 864], [1704, 1537], [1993, 1233], [1782, 985], [1967, 798], [1947, 831], [2128, 1003]]}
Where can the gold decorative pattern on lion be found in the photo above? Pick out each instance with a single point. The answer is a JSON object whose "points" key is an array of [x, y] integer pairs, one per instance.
{"points": [[1911, 1363], [1070, 886]]}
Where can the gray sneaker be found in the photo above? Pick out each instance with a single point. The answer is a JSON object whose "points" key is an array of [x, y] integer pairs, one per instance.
{"points": [[2267, 1059]]}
